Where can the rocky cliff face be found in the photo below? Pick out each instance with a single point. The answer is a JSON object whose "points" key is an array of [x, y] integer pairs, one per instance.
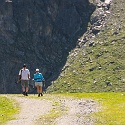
{"points": [[40, 34]]}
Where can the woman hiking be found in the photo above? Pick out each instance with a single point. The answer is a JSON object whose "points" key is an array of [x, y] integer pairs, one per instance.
{"points": [[38, 78]]}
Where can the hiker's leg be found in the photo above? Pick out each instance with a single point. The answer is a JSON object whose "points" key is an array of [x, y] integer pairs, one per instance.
{"points": [[23, 89], [26, 87], [37, 86], [37, 89], [23, 86], [40, 89], [26, 93]]}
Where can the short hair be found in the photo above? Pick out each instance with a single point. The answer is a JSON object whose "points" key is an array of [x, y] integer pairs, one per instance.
{"points": [[24, 65]]}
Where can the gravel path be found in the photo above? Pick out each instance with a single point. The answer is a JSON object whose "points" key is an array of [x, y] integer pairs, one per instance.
{"points": [[75, 111], [30, 111], [78, 112]]}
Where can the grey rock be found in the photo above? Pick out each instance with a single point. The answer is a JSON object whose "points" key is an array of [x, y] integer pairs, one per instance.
{"points": [[40, 33]]}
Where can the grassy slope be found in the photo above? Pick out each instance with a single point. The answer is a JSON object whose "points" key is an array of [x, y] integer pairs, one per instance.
{"points": [[92, 67], [8, 108]]}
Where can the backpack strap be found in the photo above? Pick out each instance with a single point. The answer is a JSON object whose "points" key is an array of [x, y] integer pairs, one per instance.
{"points": [[21, 72]]}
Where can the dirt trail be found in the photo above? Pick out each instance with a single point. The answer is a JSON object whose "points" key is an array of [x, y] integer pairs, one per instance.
{"points": [[76, 111], [30, 111]]}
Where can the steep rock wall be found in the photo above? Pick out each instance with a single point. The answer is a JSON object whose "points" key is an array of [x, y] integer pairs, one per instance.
{"points": [[40, 34]]}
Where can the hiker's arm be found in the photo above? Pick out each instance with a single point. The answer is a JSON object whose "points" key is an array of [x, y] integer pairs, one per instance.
{"points": [[19, 77], [20, 72], [28, 76]]}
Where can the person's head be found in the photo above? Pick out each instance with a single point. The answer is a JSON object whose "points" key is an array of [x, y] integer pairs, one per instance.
{"points": [[37, 70], [24, 66]]}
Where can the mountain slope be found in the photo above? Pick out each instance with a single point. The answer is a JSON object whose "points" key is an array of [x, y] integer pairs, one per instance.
{"points": [[98, 63]]}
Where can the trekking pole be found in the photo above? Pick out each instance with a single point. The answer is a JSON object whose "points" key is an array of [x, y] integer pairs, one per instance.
{"points": [[44, 87]]}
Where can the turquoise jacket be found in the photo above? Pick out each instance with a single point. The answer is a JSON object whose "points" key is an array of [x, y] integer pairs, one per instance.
{"points": [[38, 77]]}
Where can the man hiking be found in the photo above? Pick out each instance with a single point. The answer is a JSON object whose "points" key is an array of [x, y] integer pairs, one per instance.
{"points": [[38, 78], [24, 76]]}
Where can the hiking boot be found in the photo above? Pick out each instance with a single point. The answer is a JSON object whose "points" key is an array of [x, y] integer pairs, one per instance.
{"points": [[38, 95], [23, 93], [41, 94], [26, 94]]}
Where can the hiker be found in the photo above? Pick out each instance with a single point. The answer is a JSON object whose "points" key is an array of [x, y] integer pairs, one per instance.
{"points": [[38, 78], [24, 76]]}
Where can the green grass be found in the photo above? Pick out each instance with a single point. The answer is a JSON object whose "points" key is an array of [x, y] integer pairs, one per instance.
{"points": [[112, 107], [7, 109], [103, 62]]}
